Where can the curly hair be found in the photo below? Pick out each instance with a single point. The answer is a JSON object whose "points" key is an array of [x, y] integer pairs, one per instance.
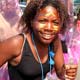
{"points": [[35, 5]]}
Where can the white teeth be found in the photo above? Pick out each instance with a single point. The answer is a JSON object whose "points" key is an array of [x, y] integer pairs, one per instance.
{"points": [[47, 36]]}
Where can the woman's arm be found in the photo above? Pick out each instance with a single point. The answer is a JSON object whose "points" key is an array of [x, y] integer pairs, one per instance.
{"points": [[59, 59], [10, 48]]}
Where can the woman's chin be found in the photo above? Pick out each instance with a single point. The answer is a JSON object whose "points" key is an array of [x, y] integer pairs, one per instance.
{"points": [[47, 41]]}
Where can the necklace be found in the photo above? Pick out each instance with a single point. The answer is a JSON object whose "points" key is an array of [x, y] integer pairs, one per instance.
{"points": [[51, 55]]}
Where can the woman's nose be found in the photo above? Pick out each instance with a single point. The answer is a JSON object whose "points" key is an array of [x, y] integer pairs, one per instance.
{"points": [[49, 25]]}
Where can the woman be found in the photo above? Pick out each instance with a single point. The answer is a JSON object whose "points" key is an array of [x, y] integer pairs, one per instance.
{"points": [[32, 54]]}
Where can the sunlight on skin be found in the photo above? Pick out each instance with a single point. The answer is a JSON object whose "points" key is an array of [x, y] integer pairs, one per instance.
{"points": [[53, 15]]}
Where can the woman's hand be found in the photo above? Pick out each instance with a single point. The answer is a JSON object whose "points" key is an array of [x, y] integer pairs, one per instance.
{"points": [[71, 71]]}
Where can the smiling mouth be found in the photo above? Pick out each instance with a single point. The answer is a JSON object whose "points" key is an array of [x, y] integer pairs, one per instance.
{"points": [[47, 36]]}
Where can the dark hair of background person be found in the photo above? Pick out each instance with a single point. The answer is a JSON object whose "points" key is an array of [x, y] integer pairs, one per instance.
{"points": [[78, 17], [35, 5]]}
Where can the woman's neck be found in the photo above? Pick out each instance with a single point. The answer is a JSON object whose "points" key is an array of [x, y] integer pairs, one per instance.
{"points": [[42, 49]]}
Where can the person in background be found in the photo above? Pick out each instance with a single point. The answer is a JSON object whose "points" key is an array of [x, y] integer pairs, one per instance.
{"points": [[28, 1], [10, 13], [74, 40], [78, 21], [37, 50]]}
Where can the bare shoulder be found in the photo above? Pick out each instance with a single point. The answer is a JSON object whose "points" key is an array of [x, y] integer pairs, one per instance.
{"points": [[13, 45], [16, 42], [10, 48]]}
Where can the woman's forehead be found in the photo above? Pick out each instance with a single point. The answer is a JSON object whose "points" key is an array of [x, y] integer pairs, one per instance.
{"points": [[47, 11]]}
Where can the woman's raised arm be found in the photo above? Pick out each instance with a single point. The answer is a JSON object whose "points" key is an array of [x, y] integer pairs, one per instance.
{"points": [[10, 48], [59, 58]]}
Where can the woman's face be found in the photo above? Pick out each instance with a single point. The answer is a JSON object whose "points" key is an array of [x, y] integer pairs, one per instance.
{"points": [[46, 24]]}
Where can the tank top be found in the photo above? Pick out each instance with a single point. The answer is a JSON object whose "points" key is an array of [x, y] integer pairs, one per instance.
{"points": [[28, 68]]}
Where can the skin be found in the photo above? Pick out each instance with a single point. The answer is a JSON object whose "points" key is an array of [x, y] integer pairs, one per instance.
{"points": [[46, 25], [71, 70]]}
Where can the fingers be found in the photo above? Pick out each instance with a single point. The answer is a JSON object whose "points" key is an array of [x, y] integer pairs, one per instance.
{"points": [[71, 71], [71, 66], [69, 78], [72, 74]]}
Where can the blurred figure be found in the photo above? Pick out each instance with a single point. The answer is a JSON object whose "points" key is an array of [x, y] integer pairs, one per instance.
{"points": [[9, 16], [28, 1], [73, 42], [10, 13], [78, 21], [5, 29]]}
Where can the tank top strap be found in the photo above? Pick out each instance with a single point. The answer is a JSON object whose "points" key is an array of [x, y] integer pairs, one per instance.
{"points": [[24, 37]]}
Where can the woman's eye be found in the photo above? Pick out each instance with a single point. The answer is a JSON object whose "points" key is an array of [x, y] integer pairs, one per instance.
{"points": [[56, 22], [42, 21]]}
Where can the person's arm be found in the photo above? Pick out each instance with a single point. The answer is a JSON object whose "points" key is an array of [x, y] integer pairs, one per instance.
{"points": [[63, 71], [59, 59], [10, 49]]}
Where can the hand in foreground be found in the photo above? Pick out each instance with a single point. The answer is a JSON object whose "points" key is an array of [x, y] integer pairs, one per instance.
{"points": [[71, 71]]}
